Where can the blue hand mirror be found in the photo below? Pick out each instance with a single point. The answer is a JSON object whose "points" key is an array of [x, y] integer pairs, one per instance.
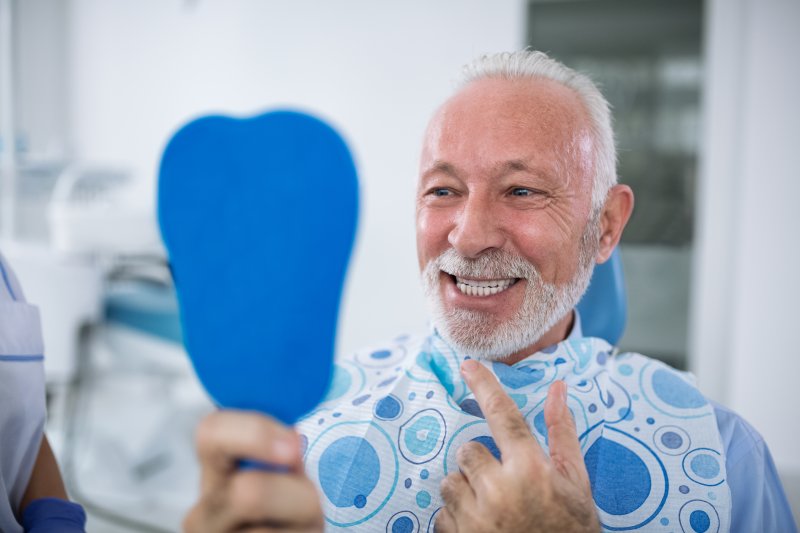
{"points": [[258, 216]]}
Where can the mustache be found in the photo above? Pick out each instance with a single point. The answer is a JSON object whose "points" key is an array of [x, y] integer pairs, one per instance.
{"points": [[493, 264]]}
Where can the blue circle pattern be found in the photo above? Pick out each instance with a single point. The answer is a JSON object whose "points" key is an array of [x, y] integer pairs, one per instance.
{"points": [[471, 406], [629, 481], [699, 521], [699, 516], [703, 466], [674, 391], [671, 440], [423, 499], [607, 460], [340, 383], [388, 408], [540, 425], [348, 487], [421, 438], [357, 475], [670, 393], [517, 377], [403, 525], [403, 522]]}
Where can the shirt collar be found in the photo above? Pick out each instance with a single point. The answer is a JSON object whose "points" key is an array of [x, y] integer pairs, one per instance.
{"points": [[577, 330]]}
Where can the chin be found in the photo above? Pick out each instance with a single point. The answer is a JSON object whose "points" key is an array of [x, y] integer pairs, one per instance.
{"points": [[483, 334], [483, 337]]}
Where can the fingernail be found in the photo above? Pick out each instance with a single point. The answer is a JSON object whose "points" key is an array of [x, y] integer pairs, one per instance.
{"points": [[562, 392], [469, 366], [284, 448]]}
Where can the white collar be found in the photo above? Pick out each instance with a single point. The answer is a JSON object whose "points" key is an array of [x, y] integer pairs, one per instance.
{"points": [[577, 330]]}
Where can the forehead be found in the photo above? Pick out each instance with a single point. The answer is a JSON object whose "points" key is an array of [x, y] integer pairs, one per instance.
{"points": [[492, 120]]}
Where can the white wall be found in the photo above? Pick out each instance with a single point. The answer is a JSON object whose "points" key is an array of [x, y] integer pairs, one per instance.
{"points": [[745, 346], [376, 69], [41, 71]]}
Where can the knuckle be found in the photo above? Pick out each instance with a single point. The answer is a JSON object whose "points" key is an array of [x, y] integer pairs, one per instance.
{"points": [[206, 433], [514, 426], [248, 495], [470, 449], [448, 489], [531, 465], [201, 515], [445, 487], [441, 524], [257, 430], [313, 509], [563, 425], [471, 456], [496, 499], [465, 454], [498, 403]]}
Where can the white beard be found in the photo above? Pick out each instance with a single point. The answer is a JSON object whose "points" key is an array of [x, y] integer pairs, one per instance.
{"points": [[480, 334]]}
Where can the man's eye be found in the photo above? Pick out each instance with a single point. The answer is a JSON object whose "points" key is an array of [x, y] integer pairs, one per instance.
{"points": [[521, 191], [440, 191]]}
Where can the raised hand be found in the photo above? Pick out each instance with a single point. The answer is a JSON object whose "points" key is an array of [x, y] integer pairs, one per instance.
{"points": [[252, 499], [527, 491]]}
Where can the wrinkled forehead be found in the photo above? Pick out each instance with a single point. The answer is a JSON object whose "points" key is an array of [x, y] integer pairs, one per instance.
{"points": [[494, 119]]}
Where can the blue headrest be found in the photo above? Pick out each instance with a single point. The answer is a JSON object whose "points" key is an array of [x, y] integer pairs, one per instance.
{"points": [[604, 308]]}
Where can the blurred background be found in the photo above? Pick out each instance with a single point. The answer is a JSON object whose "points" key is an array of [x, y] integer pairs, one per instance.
{"points": [[706, 117]]}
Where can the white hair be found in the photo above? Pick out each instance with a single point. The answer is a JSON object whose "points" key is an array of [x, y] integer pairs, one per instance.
{"points": [[531, 64]]}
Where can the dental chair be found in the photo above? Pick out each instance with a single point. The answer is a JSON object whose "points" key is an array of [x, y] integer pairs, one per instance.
{"points": [[134, 407], [604, 308]]}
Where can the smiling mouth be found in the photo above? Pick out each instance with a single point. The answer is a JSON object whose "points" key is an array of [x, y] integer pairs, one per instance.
{"points": [[488, 287]]}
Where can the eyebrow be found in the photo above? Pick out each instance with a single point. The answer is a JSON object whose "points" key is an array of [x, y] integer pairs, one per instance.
{"points": [[442, 167], [517, 165], [504, 167]]}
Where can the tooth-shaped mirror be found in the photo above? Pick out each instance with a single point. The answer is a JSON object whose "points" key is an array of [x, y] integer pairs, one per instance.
{"points": [[258, 216]]}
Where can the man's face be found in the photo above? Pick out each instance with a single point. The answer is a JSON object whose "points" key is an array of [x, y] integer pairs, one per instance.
{"points": [[503, 202]]}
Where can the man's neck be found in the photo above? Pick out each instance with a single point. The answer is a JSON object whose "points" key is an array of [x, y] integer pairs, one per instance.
{"points": [[556, 334]]}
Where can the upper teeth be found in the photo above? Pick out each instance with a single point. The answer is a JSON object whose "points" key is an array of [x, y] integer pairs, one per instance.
{"points": [[473, 287]]}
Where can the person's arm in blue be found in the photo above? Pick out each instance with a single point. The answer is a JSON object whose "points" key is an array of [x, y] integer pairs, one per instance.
{"points": [[757, 497]]}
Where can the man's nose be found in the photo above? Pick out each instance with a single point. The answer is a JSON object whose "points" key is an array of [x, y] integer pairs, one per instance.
{"points": [[476, 229]]}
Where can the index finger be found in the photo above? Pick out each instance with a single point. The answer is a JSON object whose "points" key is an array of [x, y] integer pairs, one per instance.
{"points": [[508, 426], [225, 437]]}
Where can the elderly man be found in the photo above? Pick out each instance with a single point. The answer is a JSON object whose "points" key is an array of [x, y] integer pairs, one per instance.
{"points": [[505, 417]]}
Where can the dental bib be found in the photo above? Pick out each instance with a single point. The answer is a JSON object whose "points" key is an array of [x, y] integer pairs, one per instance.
{"points": [[380, 444]]}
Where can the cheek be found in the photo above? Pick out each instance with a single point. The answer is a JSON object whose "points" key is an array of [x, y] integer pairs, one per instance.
{"points": [[547, 248], [432, 233]]}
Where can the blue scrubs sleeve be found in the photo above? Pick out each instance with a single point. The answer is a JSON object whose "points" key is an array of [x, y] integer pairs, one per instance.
{"points": [[53, 515], [757, 498]]}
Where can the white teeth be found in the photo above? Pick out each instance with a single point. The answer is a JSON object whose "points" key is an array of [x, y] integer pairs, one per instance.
{"points": [[472, 287]]}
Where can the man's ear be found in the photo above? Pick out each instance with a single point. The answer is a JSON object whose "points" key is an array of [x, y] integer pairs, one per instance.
{"points": [[616, 212]]}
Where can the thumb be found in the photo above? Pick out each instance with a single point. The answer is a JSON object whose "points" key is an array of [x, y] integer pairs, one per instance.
{"points": [[565, 449]]}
